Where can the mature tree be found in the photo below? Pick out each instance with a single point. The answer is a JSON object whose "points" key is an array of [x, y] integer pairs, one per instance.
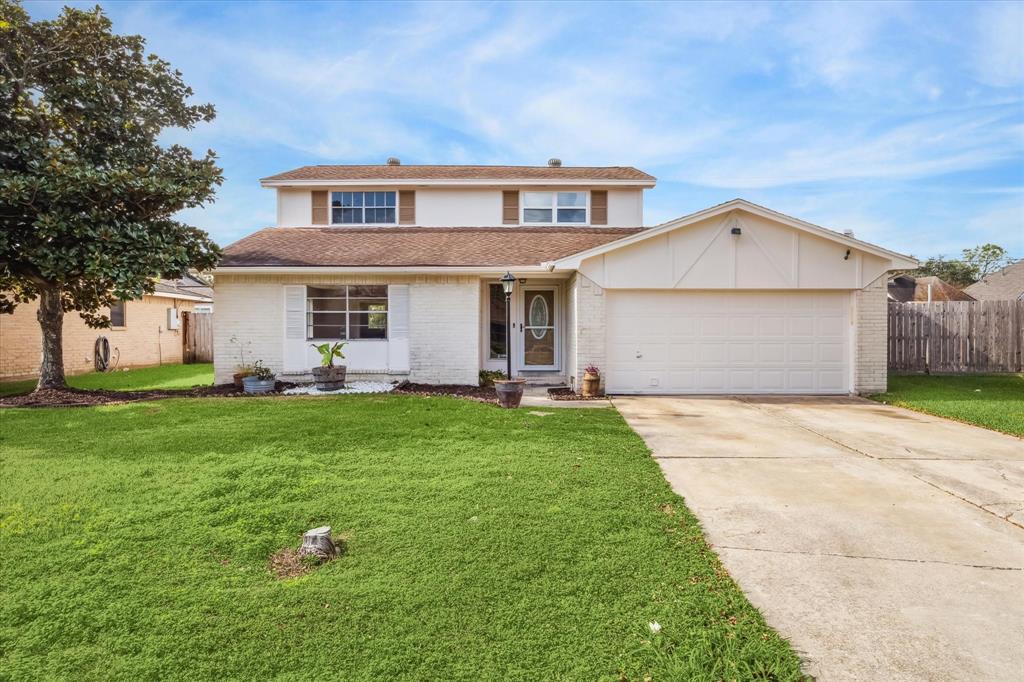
{"points": [[986, 259], [87, 194], [956, 272], [973, 265]]}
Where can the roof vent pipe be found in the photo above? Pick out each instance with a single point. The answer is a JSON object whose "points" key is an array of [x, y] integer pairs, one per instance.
{"points": [[555, 163], [394, 161]]}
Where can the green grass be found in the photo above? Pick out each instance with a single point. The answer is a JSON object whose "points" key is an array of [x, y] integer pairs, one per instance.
{"points": [[482, 544], [146, 378], [995, 401]]}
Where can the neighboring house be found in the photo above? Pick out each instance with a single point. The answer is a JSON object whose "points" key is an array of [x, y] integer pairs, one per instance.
{"points": [[1002, 285], [194, 284], [908, 288], [143, 333], [403, 262]]}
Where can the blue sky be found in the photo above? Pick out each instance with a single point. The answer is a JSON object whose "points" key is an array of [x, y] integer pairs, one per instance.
{"points": [[902, 122]]}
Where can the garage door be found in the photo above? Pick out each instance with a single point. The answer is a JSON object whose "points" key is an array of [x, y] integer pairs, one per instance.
{"points": [[728, 342]]}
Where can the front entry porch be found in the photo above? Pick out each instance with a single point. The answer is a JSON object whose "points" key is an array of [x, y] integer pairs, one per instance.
{"points": [[539, 318]]}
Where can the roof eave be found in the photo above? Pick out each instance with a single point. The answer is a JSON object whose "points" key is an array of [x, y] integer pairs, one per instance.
{"points": [[425, 182], [380, 269]]}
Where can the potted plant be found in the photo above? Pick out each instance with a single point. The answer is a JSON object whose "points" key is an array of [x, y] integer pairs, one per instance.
{"points": [[328, 376], [241, 372], [242, 369], [510, 391], [260, 381], [591, 381]]}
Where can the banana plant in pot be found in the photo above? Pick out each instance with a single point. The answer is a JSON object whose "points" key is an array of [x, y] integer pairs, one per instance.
{"points": [[328, 376]]}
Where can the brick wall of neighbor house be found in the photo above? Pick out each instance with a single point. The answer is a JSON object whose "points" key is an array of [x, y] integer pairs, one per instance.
{"points": [[588, 301], [444, 331], [444, 322], [143, 341], [871, 361]]}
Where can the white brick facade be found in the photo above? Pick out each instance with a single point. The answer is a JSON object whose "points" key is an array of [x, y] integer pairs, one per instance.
{"points": [[251, 309], [444, 331], [870, 369], [445, 326], [586, 344], [444, 323]]}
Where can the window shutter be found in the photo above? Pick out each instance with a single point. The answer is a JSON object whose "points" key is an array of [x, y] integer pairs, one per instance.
{"points": [[407, 207], [294, 359], [319, 208], [599, 207], [510, 208], [398, 328]]}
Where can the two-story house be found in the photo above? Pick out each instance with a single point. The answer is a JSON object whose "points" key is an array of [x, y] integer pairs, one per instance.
{"points": [[403, 262]]}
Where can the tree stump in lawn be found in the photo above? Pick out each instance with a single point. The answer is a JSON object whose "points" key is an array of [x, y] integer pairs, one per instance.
{"points": [[317, 543]]}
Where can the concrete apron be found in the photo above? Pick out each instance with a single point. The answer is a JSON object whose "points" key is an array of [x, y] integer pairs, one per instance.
{"points": [[883, 543]]}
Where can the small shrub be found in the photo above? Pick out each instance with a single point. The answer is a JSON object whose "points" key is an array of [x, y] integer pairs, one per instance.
{"points": [[488, 376]]}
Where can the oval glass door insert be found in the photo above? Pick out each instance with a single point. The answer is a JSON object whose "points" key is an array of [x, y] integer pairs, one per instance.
{"points": [[540, 316]]}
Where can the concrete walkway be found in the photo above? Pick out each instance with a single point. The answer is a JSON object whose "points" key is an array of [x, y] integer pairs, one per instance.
{"points": [[883, 543]]}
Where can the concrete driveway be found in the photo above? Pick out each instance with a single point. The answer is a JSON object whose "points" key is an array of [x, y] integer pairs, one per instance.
{"points": [[883, 543]]}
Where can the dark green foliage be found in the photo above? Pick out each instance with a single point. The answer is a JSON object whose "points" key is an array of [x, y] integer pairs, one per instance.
{"points": [[482, 544], [488, 376], [87, 194]]}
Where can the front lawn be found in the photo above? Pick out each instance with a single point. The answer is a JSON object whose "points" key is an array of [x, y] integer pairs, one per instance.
{"points": [[144, 379], [482, 544], [995, 401]]}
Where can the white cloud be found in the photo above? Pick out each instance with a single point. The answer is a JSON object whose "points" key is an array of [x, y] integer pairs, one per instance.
{"points": [[999, 44]]}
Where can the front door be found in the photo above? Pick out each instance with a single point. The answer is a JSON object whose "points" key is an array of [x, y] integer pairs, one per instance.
{"points": [[539, 345]]}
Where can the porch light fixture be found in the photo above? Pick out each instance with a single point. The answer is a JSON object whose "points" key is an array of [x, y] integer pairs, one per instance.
{"points": [[508, 282]]}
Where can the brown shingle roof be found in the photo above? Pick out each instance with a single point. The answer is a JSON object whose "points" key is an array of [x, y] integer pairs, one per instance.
{"points": [[907, 288], [414, 246], [1003, 285], [501, 173]]}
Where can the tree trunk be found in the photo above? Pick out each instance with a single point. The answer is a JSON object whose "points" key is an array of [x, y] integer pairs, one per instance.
{"points": [[51, 321]]}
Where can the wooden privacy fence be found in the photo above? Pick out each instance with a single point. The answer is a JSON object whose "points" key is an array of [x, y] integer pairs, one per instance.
{"points": [[956, 336], [197, 337]]}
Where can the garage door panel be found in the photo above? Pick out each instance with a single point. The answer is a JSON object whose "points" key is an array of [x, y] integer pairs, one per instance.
{"points": [[728, 342]]}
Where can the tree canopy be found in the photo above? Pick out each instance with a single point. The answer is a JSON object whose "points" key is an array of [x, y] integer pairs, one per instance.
{"points": [[88, 194], [973, 265]]}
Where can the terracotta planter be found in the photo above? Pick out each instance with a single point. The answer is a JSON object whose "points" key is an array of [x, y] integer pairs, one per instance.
{"points": [[257, 385], [591, 385], [510, 391], [329, 378], [237, 378]]}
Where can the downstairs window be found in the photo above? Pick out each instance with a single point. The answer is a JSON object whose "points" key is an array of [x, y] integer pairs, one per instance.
{"points": [[347, 313]]}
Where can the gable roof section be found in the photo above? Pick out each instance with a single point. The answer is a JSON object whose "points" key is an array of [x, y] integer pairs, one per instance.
{"points": [[1002, 285], [326, 175], [899, 260], [396, 247]]}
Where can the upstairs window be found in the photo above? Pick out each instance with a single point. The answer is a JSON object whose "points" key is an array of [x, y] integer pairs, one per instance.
{"points": [[569, 208], [347, 312], [363, 208]]}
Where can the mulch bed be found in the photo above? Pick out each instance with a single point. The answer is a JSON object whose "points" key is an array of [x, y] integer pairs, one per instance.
{"points": [[484, 394], [76, 397], [562, 393]]}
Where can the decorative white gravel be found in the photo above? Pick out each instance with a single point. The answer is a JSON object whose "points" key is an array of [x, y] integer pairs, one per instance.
{"points": [[350, 387]]}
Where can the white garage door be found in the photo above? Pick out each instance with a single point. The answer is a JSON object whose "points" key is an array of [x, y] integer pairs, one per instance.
{"points": [[728, 342]]}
